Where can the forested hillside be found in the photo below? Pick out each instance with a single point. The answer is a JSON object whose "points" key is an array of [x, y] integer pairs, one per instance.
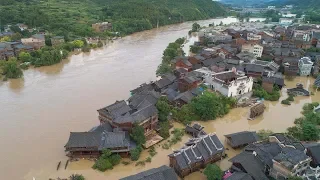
{"points": [[308, 7], [74, 17]]}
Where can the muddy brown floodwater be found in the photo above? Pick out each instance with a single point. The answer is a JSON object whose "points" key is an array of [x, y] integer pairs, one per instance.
{"points": [[38, 112]]}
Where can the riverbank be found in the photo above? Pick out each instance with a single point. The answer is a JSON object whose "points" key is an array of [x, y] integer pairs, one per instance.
{"points": [[274, 119], [49, 102]]}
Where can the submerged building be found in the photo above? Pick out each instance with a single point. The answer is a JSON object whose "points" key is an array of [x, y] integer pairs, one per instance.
{"points": [[90, 144], [196, 154]]}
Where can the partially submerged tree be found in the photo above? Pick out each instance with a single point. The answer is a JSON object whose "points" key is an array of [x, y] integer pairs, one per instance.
{"points": [[213, 172]]}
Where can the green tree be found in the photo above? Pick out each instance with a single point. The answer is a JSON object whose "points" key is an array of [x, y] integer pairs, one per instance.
{"points": [[310, 131], [135, 153], [213, 172], [11, 69], [25, 57], [295, 178], [163, 68], [170, 52], [115, 159], [78, 43], [164, 129], [137, 134], [102, 164], [76, 177], [195, 27], [163, 108]]}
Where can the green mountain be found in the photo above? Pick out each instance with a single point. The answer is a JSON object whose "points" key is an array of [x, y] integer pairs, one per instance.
{"points": [[74, 17]]}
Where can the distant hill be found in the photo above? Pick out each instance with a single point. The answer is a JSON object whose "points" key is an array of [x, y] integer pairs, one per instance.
{"points": [[76, 16], [246, 2]]}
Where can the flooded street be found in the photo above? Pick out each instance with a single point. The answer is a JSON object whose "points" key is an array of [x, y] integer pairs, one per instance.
{"points": [[38, 112]]}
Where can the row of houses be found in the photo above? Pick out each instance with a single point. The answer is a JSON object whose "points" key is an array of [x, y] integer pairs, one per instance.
{"points": [[278, 157]]}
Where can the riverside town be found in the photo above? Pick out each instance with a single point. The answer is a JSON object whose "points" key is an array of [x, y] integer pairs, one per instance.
{"points": [[228, 91]]}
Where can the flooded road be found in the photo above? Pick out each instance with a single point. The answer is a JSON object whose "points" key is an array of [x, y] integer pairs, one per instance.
{"points": [[38, 112]]}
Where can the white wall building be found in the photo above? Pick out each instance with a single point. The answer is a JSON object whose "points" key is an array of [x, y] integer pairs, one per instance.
{"points": [[285, 21], [253, 37], [305, 66], [229, 83], [255, 49], [302, 35], [289, 15]]}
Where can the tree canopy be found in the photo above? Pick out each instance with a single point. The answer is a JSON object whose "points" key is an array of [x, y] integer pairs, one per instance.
{"points": [[127, 16], [213, 172], [137, 134]]}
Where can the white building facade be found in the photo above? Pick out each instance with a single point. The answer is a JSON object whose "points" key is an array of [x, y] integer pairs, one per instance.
{"points": [[305, 66], [238, 86], [253, 37], [255, 49]]}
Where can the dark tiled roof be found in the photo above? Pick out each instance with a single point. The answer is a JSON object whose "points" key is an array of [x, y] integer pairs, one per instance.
{"points": [[138, 115], [196, 130], [115, 110], [198, 150], [83, 139], [102, 127], [251, 164], [289, 157], [228, 76], [185, 96], [163, 83], [273, 80], [239, 176], [266, 151], [298, 91], [141, 88], [317, 82], [315, 152], [98, 140], [254, 68], [137, 101], [160, 173], [242, 138]]}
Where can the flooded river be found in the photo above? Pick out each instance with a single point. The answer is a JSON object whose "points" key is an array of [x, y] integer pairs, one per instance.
{"points": [[38, 112]]}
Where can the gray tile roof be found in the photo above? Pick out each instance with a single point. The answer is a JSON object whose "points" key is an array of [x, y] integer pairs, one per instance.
{"points": [[266, 151], [273, 80], [242, 138], [185, 96], [145, 98], [317, 82], [198, 150], [160, 173], [138, 115], [239, 176], [254, 68], [315, 152], [251, 164], [116, 109], [141, 88], [98, 138], [289, 157]]}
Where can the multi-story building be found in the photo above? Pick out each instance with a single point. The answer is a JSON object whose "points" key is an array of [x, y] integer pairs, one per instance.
{"points": [[254, 48], [305, 66], [253, 37], [285, 21], [229, 83]]}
